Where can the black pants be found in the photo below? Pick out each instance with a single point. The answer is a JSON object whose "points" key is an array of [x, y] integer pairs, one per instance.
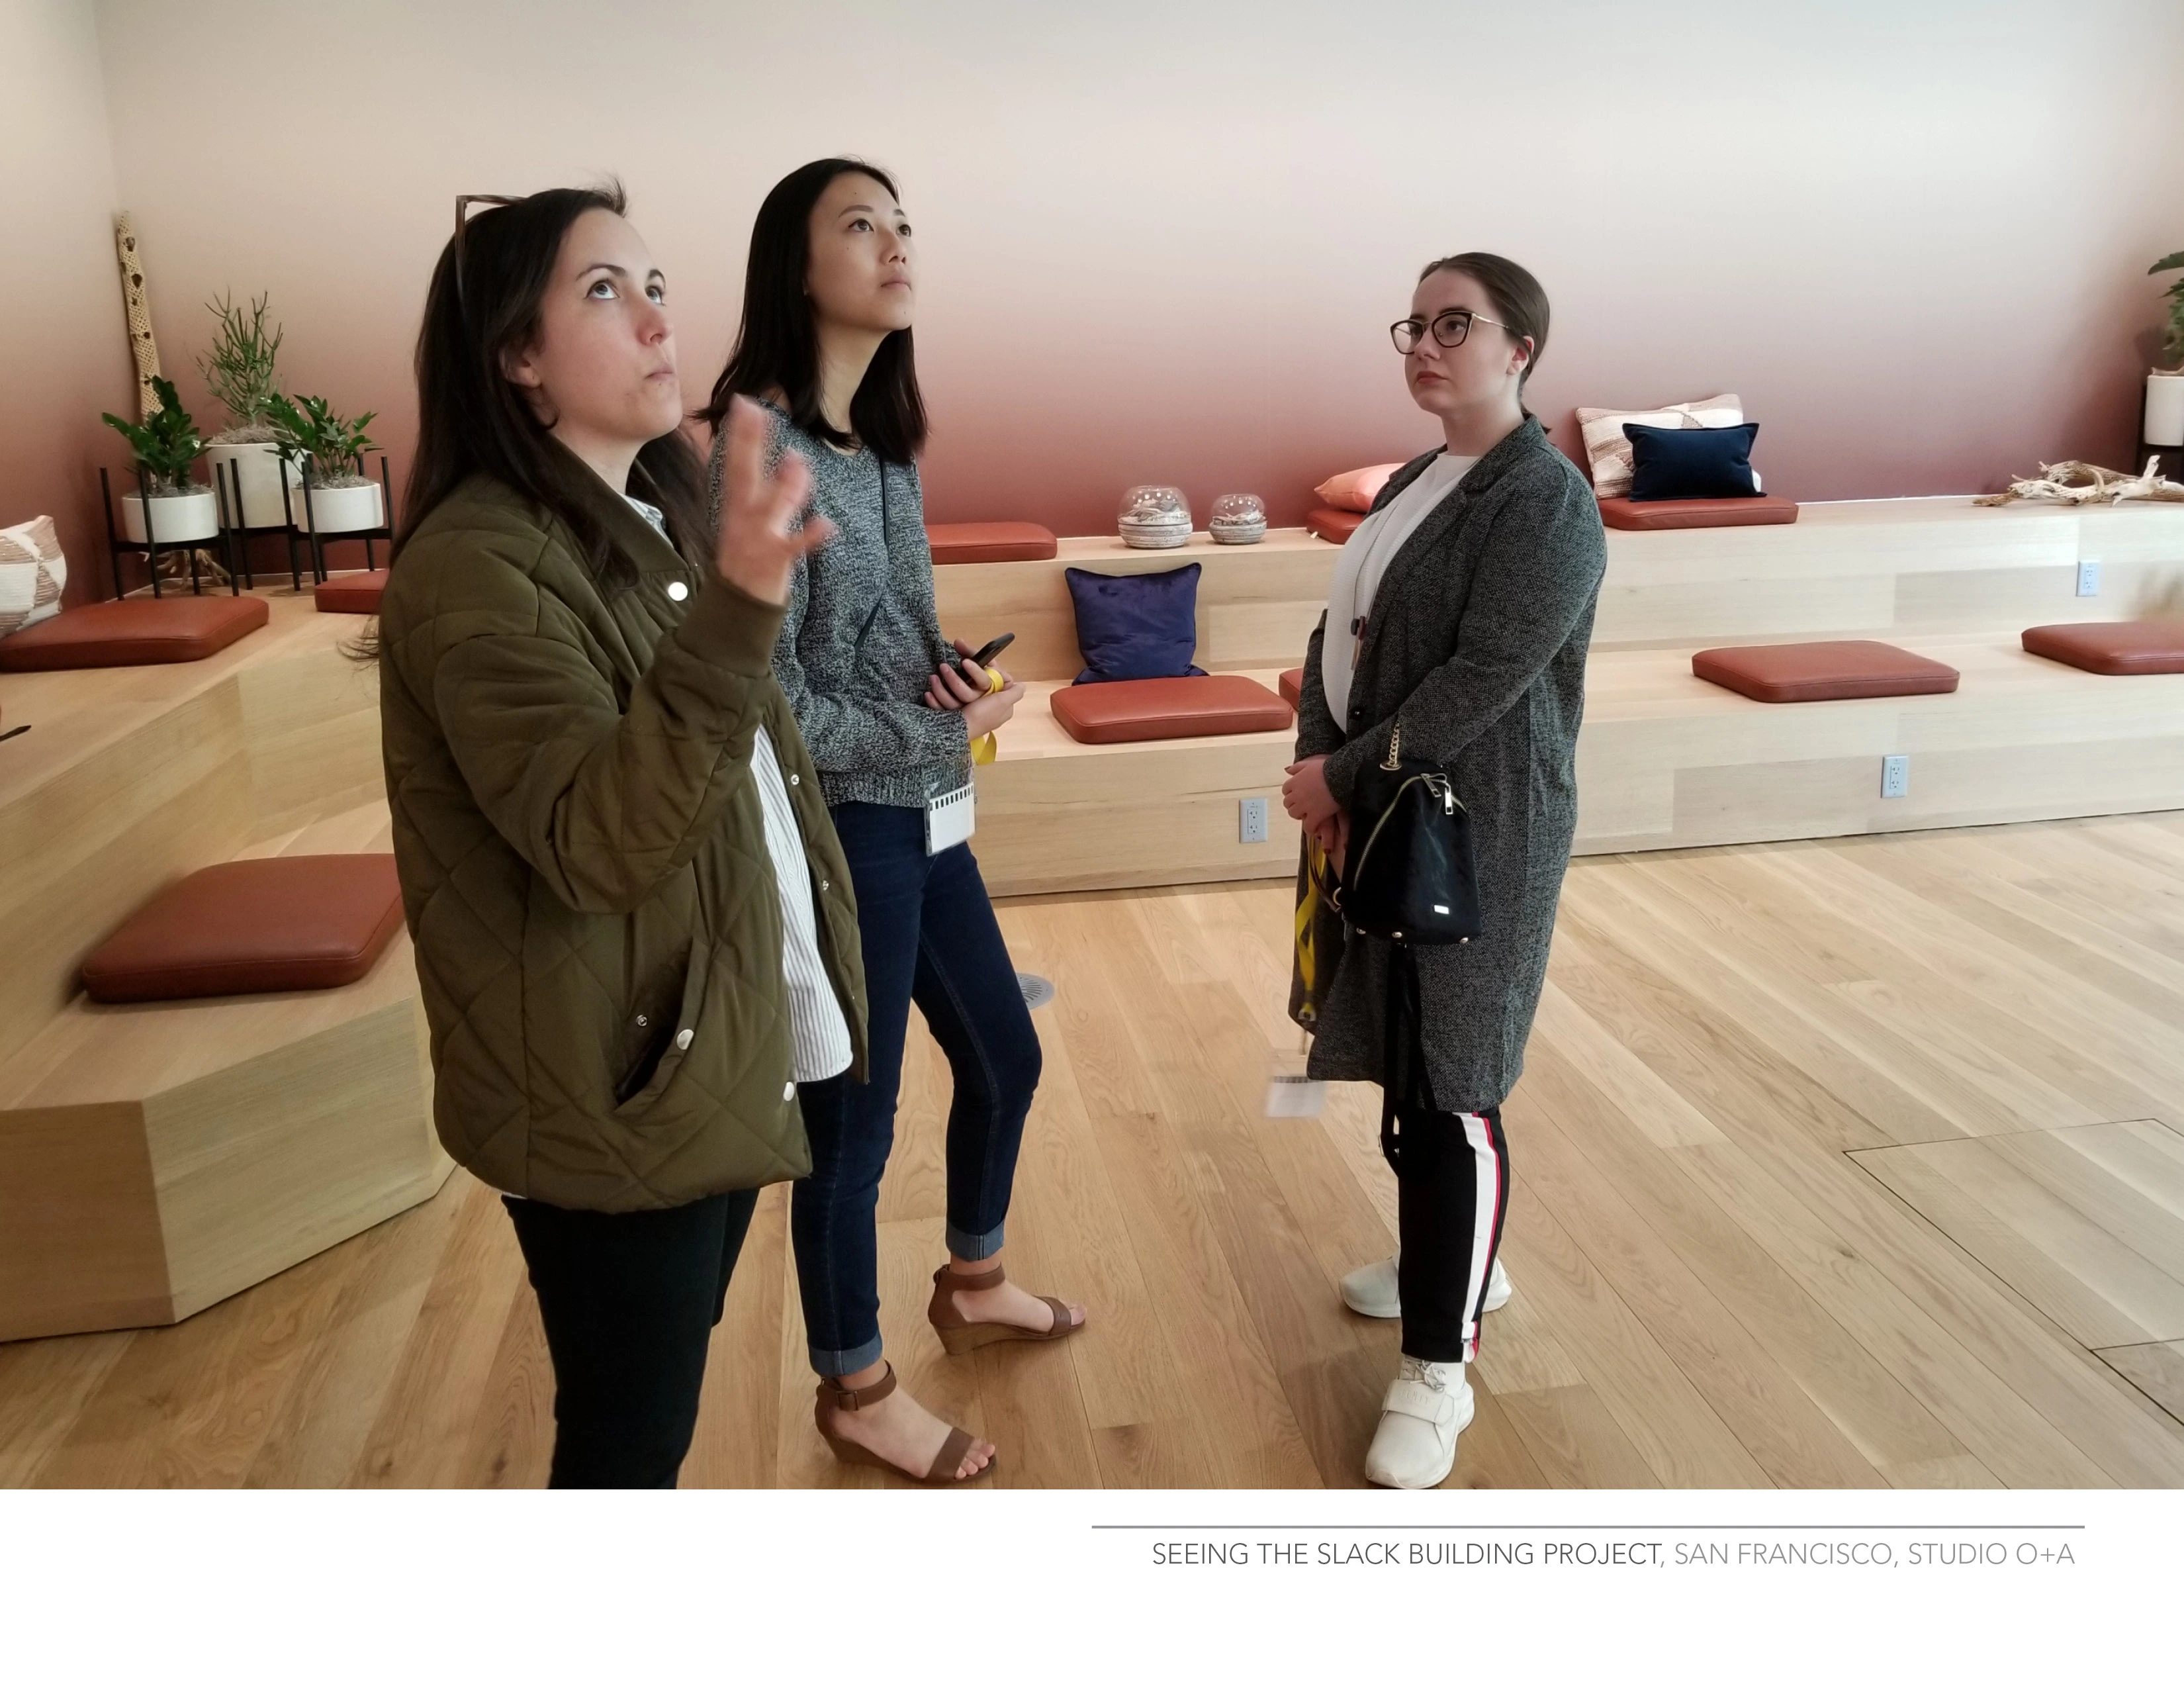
{"points": [[1451, 1192], [629, 1301]]}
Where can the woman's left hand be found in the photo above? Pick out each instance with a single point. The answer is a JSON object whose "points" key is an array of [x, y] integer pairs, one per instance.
{"points": [[1304, 795], [962, 683]]}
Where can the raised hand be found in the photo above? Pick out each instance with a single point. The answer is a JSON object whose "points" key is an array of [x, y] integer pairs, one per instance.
{"points": [[760, 541]]}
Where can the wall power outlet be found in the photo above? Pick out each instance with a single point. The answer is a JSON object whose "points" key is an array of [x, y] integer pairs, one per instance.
{"points": [[1894, 776], [2089, 577], [1253, 821]]}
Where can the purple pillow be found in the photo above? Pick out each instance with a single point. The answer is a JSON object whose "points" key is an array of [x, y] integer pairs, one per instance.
{"points": [[1136, 626]]}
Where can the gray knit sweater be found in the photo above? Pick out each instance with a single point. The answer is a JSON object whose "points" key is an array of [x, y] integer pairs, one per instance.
{"points": [[862, 637]]}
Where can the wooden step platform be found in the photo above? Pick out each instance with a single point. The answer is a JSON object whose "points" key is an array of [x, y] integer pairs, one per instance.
{"points": [[1665, 760], [157, 1157], [131, 777], [1889, 569]]}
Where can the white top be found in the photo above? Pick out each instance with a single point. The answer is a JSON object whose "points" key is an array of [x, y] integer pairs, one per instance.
{"points": [[819, 1035], [1364, 560]]}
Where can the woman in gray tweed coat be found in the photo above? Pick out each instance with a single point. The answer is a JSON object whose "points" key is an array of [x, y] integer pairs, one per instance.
{"points": [[1461, 607]]}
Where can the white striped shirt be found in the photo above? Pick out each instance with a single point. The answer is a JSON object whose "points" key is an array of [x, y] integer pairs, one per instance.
{"points": [[819, 1035], [816, 1027]]}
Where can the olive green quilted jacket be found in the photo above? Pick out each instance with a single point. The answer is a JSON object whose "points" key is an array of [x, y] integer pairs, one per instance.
{"points": [[583, 858]]}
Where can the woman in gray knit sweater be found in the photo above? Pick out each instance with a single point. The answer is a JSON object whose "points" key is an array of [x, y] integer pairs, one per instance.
{"points": [[1462, 608], [890, 711]]}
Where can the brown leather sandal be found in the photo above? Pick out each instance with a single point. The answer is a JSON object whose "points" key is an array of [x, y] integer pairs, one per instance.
{"points": [[833, 1398], [960, 1335]]}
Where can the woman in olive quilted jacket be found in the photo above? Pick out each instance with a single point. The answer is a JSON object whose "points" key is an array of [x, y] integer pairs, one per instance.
{"points": [[634, 928]]}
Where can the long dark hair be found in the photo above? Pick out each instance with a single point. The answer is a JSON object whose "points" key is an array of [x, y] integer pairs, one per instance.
{"points": [[1518, 299], [484, 301], [778, 344]]}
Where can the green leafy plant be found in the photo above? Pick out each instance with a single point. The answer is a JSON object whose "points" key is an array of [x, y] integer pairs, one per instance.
{"points": [[2172, 340], [166, 442], [309, 428], [239, 366]]}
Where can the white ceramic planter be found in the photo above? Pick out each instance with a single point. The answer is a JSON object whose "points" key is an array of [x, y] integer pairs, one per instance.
{"points": [[338, 509], [176, 521], [2165, 409], [260, 469]]}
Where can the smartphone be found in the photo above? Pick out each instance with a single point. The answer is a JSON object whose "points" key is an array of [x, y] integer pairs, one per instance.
{"points": [[992, 649]]}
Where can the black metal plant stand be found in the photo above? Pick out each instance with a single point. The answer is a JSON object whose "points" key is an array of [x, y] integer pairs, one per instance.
{"points": [[152, 545], [227, 482], [318, 541]]}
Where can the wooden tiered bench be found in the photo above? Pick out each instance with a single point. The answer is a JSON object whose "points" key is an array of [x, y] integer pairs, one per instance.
{"points": [[157, 1157], [1058, 816], [1665, 761]]}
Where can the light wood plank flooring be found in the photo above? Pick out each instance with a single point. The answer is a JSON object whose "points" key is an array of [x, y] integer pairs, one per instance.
{"points": [[1855, 1162]]}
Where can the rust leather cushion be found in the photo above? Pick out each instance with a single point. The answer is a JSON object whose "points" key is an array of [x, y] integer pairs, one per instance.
{"points": [[283, 922], [354, 594], [2111, 647], [989, 542], [1129, 711], [1334, 525], [1831, 668], [128, 631], [1651, 514], [1292, 685]]}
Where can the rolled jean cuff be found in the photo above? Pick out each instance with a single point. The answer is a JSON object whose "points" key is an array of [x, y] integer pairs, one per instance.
{"points": [[966, 1246], [841, 1362]]}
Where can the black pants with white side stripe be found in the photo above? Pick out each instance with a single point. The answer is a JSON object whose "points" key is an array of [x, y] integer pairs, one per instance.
{"points": [[1451, 1192]]}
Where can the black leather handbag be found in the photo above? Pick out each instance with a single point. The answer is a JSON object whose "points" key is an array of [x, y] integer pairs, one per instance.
{"points": [[1410, 877]]}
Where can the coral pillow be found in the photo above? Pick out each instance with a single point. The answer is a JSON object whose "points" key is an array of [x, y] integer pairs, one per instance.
{"points": [[1609, 451], [32, 572], [1358, 489]]}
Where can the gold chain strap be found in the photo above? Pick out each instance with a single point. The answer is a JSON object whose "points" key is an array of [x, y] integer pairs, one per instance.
{"points": [[1395, 746]]}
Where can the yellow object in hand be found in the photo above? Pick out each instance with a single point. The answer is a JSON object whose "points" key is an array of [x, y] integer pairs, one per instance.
{"points": [[985, 750]]}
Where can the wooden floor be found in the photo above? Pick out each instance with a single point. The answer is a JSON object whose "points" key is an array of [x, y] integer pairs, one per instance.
{"points": [[1857, 1162]]}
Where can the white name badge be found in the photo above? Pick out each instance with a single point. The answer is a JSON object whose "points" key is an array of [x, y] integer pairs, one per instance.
{"points": [[950, 820]]}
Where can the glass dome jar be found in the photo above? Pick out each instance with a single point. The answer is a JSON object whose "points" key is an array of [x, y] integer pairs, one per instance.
{"points": [[1238, 519], [1154, 518]]}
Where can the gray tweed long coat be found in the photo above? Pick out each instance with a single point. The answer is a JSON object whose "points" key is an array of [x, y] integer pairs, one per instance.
{"points": [[1477, 640]]}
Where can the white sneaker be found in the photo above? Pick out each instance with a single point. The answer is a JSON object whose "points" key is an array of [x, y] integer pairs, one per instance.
{"points": [[1421, 1416], [1371, 1289]]}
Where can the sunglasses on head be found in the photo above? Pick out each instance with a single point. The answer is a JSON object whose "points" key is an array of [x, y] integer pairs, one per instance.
{"points": [[463, 203]]}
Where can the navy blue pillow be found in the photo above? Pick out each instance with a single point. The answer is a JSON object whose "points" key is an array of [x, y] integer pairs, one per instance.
{"points": [[1136, 626], [1691, 463]]}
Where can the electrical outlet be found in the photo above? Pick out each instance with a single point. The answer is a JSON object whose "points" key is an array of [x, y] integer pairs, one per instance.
{"points": [[1253, 821], [2089, 577], [1894, 776]]}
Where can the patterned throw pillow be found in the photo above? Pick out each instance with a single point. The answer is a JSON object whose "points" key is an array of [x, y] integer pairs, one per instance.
{"points": [[1609, 450], [32, 573]]}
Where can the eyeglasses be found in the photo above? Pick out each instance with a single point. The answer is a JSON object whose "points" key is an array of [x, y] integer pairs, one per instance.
{"points": [[1451, 329], [463, 203]]}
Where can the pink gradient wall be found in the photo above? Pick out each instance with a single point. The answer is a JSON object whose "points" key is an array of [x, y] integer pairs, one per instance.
{"points": [[1163, 242], [64, 341]]}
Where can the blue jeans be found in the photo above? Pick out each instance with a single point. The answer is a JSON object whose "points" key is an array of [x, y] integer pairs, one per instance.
{"points": [[929, 937]]}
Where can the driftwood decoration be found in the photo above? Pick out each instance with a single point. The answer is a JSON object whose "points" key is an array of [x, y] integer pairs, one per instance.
{"points": [[141, 346], [2088, 483]]}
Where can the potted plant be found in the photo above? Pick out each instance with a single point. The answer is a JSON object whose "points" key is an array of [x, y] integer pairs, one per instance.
{"points": [[339, 499], [239, 370], [166, 443], [2164, 388]]}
